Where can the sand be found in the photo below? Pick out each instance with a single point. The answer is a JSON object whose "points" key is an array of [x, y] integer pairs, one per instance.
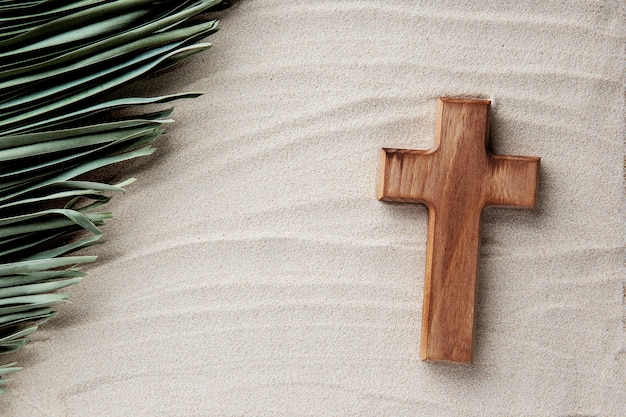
{"points": [[252, 272]]}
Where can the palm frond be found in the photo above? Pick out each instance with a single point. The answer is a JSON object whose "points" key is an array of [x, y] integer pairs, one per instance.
{"points": [[58, 62]]}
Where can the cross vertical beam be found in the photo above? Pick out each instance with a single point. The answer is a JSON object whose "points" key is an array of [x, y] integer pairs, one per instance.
{"points": [[456, 179]]}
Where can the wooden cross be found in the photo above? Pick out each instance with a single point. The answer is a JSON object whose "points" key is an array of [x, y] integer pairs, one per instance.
{"points": [[455, 179]]}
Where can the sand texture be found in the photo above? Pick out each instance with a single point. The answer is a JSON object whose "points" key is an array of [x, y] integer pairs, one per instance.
{"points": [[252, 272]]}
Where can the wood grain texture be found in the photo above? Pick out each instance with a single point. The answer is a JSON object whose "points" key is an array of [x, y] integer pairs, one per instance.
{"points": [[455, 179]]}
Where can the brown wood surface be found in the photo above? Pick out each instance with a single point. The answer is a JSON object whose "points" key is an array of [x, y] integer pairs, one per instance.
{"points": [[455, 179]]}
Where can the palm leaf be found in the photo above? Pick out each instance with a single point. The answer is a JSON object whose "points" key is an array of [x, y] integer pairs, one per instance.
{"points": [[58, 61]]}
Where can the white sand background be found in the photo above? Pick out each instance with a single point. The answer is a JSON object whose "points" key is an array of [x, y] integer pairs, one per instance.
{"points": [[252, 272]]}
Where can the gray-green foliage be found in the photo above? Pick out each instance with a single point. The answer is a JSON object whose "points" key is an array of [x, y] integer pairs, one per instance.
{"points": [[58, 60]]}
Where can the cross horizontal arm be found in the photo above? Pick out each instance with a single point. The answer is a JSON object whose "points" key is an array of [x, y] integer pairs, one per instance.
{"points": [[512, 181], [404, 176]]}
